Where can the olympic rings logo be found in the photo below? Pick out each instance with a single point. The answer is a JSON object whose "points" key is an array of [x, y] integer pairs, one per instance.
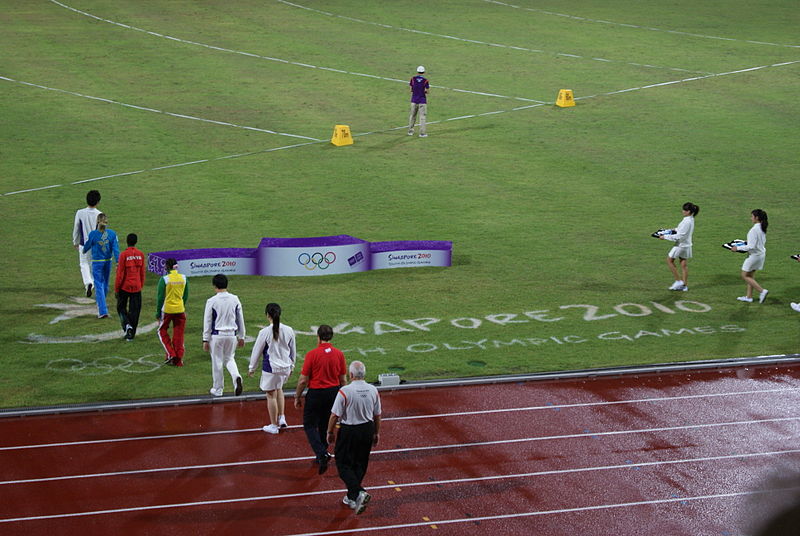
{"points": [[316, 260], [104, 365]]}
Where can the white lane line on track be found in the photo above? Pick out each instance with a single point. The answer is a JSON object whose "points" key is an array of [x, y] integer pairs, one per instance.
{"points": [[451, 481], [477, 42], [145, 109], [279, 60], [610, 93], [677, 32], [427, 416], [547, 512], [408, 449]]}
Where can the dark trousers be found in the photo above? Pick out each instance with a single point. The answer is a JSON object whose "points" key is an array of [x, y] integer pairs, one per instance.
{"points": [[353, 446], [316, 413], [129, 305]]}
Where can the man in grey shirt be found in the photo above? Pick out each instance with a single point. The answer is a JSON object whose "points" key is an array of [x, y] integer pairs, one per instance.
{"points": [[358, 410]]}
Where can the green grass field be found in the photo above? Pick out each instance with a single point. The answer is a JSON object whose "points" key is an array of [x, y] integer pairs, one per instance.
{"points": [[549, 209]]}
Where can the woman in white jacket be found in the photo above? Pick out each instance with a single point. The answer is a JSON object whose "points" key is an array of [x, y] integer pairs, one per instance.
{"points": [[683, 247], [276, 346], [757, 252]]}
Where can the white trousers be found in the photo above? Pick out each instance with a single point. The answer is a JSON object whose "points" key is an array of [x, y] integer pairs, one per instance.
{"points": [[85, 262], [223, 350]]}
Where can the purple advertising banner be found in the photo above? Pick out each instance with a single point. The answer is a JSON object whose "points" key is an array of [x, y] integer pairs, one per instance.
{"points": [[323, 255]]}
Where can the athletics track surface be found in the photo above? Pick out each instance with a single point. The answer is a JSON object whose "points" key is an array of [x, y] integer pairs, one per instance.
{"points": [[662, 454]]}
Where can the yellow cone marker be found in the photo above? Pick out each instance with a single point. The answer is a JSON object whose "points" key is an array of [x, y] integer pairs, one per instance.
{"points": [[565, 98], [341, 136]]}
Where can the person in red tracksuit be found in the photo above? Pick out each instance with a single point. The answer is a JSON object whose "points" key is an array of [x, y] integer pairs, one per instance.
{"points": [[128, 287]]}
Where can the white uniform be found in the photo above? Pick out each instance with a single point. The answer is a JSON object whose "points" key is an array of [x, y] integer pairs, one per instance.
{"points": [[85, 223], [223, 323], [357, 403], [756, 248], [279, 356], [683, 239]]}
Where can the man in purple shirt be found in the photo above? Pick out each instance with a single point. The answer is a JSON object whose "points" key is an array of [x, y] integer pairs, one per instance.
{"points": [[419, 102]]}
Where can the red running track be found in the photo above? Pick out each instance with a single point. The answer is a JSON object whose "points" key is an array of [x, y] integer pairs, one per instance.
{"points": [[667, 454]]}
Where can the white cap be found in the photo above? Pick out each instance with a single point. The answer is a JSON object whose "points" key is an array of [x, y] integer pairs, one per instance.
{"points": [[421, 69]]}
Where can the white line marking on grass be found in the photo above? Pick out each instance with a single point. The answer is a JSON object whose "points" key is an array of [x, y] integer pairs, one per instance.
{"points": [[585, 19], [428, 416], [145, 109], [475, 41], [269, 58], [426, 448], [683, 80], [407, 485]]}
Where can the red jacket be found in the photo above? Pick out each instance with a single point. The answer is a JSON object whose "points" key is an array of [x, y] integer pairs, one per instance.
{"points": [[130, 271]]}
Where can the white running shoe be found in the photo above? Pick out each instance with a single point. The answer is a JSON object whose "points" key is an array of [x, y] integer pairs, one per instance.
{"points": [[745, 299], [271, 429], [282, 421], [423, 135], [795, 306], [684, 288], [216, 392], [676, 285], [410, 132], [348, 502], [361, 501], [762, 296]]}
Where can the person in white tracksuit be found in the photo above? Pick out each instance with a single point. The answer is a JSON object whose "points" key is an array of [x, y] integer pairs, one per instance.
{"points": [[86, 222], [682, 249], [756, 248], [223, 324], [276, 346]]}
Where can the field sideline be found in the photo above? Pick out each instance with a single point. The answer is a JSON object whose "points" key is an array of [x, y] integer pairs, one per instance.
{"points": [[208, 125]]}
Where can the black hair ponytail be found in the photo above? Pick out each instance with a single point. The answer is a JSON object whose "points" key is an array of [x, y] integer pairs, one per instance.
{"points": [[692, 208], [762, 218], [273, 311]]}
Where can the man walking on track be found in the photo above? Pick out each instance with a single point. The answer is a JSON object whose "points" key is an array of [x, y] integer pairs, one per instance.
{"points": [[86, 222], [324, 372], [128, 286], [223, 323], [419, 103], [358, 410], [171, 296]]}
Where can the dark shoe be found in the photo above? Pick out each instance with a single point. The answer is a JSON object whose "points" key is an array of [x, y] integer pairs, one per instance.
{"points": [[89, 290], [171, 361], [323, 464], [238, 390]]}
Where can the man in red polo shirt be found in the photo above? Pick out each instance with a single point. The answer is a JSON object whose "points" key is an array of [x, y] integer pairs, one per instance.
{"points": [[128, 286], [324, 372]]}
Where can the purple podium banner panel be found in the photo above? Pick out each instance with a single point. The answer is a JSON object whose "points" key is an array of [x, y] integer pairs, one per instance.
{"points": [[322, 255], [195, 262], [410, 254]]}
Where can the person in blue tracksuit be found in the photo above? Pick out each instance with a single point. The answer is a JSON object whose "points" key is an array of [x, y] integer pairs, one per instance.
{"points": [[103, 244]]}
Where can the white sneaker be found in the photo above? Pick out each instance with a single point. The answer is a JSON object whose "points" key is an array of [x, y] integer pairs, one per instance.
{"points": [[361, 501], [271, 429], [795, 306], [423, 135], [762, 296], [348, 502], [676, 285], [216, 392], [282, 421], [745, 299], [410, 132], [684, 288]]}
